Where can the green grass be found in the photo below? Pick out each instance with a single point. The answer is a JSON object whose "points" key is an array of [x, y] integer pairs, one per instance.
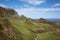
{"points": [[48, 36], [25, 29], [15, 27]]}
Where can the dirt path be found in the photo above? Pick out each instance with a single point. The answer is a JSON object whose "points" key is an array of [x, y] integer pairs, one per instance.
{"points": [[36, 37]]}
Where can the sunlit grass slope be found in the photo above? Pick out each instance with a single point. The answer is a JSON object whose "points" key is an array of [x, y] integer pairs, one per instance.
{"points": [[15, 27]]}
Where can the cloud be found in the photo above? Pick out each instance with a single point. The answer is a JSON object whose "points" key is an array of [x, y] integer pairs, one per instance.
{"points": [[26, 6], [38, 12], [56, 4], [34, 2], [37, 9], [2, 5]]}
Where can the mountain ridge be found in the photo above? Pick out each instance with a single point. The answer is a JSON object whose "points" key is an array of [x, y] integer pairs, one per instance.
{"points": [[15, 27]]}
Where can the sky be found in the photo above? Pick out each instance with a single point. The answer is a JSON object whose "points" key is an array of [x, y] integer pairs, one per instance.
{"points": [[34, 8]]}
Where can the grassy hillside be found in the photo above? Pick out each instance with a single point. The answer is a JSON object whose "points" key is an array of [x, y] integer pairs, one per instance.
{"points": [[15, 27]]}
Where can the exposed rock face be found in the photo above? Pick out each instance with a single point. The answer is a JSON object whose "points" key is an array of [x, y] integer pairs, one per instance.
{"points": [[6, 12], [7, 32], [42, 20]]}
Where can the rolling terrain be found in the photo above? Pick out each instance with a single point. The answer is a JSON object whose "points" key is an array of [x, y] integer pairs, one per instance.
{"points": [[15, 27]]}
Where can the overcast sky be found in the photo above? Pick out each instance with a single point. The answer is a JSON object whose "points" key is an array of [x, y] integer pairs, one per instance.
{"points": [[34, 8]]}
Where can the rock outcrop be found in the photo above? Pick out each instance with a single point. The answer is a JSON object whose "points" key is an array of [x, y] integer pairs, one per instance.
{"points": [[6, 12]]}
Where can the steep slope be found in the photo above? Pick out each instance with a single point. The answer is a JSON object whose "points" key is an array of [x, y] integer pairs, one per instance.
{"points": [[7, 31], [30, 29], [15, 27]]}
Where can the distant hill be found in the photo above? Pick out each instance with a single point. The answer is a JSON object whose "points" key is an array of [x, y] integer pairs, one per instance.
{"points": [[51, 19], [15, 27], [41, 20]]}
